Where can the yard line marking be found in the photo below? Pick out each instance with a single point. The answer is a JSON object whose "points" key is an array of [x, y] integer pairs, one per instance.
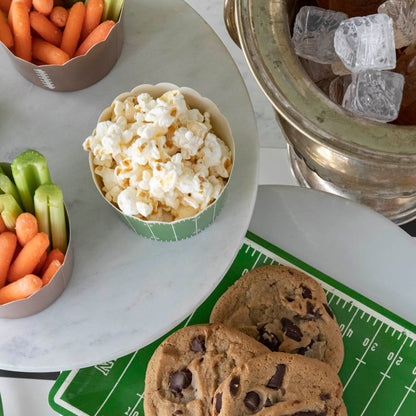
{"points": [[115, 385], [137, 403], [332, 297], [338, 301], [387, 329], [400, 335], [375, 321], [362, 316], [409, 389], [394, 331], [348, 326], [352, 305], [247, 249], [190, 317], [362, 358], [255, 263], [384, 374], [382, 379], [368, 320], [412, 342]]}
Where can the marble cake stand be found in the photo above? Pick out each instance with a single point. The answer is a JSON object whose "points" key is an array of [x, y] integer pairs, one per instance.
{"points": [[126, 291]]}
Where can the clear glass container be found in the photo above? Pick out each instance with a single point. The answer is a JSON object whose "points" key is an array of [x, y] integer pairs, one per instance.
{"points": [[330, 150]]}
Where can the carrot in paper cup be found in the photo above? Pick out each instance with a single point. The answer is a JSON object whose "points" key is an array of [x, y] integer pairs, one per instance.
{"points": [[36, 256], [63, 67], [166, 167]]}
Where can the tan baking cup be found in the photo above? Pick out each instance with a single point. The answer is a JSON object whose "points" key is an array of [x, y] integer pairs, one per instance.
{"points": [[47, 294], [187, 227], [79, 72]]}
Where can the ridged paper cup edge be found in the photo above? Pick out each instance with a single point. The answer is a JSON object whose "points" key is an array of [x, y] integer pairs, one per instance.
{"points": [[187, 227], [48, 294]]}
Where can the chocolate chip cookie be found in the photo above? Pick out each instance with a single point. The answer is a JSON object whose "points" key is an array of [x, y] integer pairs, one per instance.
{"points": [[284, 309], [186, 369], [280, 384]]}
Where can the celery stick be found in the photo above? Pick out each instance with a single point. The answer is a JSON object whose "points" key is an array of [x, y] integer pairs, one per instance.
{"points": [[8, 187], [50, 213], [9, 211], [29, 170]]}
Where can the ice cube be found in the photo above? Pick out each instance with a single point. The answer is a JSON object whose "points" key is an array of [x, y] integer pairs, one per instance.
{"points": [[403, 13], [313, 33], [375, 95], [366, 43], [338, 87]]}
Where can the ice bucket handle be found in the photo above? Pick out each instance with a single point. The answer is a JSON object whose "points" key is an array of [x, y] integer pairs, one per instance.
{"points": [[229, 19]]}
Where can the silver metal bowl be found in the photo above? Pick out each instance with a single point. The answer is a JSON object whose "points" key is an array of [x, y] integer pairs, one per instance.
{"points": [[330, 150]]}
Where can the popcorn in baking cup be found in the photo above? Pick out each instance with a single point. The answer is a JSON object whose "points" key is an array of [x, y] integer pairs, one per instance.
{"points": [[36, 258], [80, 71], [162, 157]]}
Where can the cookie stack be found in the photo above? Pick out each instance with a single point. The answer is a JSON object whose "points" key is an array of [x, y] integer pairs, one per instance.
{"points": [[272, 347]]}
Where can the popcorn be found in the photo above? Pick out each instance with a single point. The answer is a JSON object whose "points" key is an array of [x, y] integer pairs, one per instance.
{"points": [[158, 159]]}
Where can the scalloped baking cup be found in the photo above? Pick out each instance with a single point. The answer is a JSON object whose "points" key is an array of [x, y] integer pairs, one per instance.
{"points": [[79, 72], [186, 227], [47, 294]]}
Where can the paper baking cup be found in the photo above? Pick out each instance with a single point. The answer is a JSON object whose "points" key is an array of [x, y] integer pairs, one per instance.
{"points": [[79, 72], [187, 227], [47, 294]]}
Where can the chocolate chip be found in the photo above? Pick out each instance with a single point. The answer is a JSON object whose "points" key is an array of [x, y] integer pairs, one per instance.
{"points": [[177, 412], [289, 299], [269, 339], [252, 401], [198, 344], [306, 293], [179, 380], [291, 330], [325, 396], [277, 379], [234, 386], [328, 309], [303, 350], [308, 413], [268, 403], [218, 402]]}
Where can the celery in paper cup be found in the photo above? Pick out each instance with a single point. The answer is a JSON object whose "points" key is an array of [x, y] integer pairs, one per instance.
{"points": [[49, 293], [187, 227]]}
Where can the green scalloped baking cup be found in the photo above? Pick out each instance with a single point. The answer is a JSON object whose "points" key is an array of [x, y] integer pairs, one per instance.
{"points": [[187, 227]]}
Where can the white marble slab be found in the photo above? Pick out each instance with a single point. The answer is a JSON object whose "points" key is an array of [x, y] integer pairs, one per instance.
{"points": [[125, 290]]}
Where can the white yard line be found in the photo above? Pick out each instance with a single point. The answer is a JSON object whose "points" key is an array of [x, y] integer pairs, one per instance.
{"points": [[362, 358], [349, 324], [409, 389], [116, 384], [384, 376]]}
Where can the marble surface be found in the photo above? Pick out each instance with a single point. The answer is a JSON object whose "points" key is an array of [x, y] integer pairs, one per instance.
{"points": [[125, 290]]}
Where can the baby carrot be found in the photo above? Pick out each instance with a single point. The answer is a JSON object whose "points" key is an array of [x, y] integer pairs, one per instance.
{"points": [[48, 53], [21, 31], [43, 6], [97, 35], [59, 16], [5, 33], [28, 3], [5, 5], [3, 227], [7, 247], [45, 28], [50, 271], [93, 13], [29, 257], [72, 31], [20, 289], [26, 227], [54, 254], [38, 269]]}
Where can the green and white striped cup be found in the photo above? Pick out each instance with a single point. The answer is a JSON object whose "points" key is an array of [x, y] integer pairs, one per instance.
{"points": [[186, 227]]}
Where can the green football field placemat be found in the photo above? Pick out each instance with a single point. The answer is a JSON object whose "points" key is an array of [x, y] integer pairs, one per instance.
{"points": [[378, 374]]}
